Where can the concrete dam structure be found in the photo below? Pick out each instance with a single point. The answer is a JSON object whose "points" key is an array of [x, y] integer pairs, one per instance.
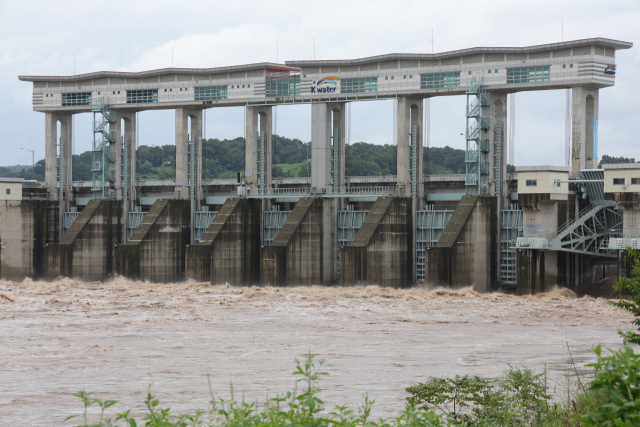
{"points": [[523, 231]]}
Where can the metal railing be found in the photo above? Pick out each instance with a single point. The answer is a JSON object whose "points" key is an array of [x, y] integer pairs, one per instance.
{"points": [[580, 216]]}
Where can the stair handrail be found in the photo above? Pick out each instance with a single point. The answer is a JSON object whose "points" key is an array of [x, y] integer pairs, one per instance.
{"points": [[569, 223]]}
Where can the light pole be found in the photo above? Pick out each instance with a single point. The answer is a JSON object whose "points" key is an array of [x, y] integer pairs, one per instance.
{"points": [[164, 163], [33, 163]]}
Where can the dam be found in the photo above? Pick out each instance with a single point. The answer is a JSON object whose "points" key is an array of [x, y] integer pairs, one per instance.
{"points": [[521, 231]]}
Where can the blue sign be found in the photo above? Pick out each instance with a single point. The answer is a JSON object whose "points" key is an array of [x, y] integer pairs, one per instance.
{"points": [[595, 139], [611, 69]]}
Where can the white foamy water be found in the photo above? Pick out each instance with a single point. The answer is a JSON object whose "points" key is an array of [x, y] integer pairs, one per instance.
{"points": [[115, 338]]}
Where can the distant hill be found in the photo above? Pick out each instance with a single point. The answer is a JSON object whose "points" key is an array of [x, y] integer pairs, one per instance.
{"points": [[224, 158]]}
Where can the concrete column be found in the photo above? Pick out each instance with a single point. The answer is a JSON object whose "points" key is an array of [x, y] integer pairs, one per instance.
{"points": [[320, 146], [584, 119], [409, 113], [66, 130], [51, 133], [258, 119], [116, 169], [120, 131], [182, 150], [496, 112], [325, 118]]}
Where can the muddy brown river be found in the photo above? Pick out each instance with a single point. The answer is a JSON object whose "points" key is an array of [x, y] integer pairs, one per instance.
{"points": [[118, 337]]}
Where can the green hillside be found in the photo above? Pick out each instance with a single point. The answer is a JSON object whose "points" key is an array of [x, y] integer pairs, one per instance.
{"points": [[224, 158]]}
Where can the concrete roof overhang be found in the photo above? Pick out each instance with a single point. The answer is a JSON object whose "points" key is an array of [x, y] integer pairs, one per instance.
{"points": [[599, 41], [270, 66]]}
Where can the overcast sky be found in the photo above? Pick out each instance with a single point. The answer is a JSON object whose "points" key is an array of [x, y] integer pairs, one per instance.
{"points": [[41, 38]]}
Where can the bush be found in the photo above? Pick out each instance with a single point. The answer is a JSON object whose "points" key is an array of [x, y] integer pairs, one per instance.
{"points": [[629, 288], [617, 380], [292, 409]]}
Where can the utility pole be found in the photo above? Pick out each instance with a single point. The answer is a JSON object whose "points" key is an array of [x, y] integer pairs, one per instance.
{"points": [[33, 163]]}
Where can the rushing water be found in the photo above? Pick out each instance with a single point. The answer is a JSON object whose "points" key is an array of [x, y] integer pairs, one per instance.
{"points": [[115, 338]]}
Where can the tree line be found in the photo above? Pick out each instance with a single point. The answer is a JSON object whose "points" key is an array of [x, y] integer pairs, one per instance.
{"points": [[291, 157]]}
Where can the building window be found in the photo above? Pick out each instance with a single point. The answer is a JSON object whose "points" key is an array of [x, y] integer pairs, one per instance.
{"points": [[489, 71], [528, 74], [570, 65], [496, 71], [532, 183], [118, 92], [386, 77], [8, 191], [282, 87], [47, 95], [635, 181], [242, 86], [469, 72], [564, 65], [404, 77], [165, 90], [171, 90], [618, 181], [248, 86], [142, 96], [210, 93], [392, 77], [73, 99], [359, 85], [181, 89], [410, 76], [439, 80]]}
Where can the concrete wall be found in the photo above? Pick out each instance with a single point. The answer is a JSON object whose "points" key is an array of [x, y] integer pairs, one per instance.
{"points": [[540, 271], [544, 180], [296, 256], [156, 250], [10, 191], [627, 171], [86, 251], [467, 252], [229, 251], [26, 227], [382, 252]]}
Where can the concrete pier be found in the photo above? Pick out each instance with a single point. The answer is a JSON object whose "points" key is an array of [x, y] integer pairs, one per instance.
{"points": [[298, 255], [26, 228], [156, 250], [85, 252], [382, 251], [229, 251], [466, 253]]}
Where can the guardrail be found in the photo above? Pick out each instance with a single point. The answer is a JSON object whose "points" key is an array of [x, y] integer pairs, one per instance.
{"points": [[275, 181]]}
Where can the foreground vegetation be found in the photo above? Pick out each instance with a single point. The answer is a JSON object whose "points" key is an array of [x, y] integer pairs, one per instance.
{"points": [[519, 398]]}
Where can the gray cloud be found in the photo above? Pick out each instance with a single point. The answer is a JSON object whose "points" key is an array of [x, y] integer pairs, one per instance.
{"points": [[43, 37]]}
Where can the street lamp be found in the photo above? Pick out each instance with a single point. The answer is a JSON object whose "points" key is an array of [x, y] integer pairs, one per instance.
{"points": [[33, 162], [164, 163]]}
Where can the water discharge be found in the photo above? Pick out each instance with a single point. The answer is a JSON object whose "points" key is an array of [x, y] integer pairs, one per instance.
{"points": [[115, 338]]}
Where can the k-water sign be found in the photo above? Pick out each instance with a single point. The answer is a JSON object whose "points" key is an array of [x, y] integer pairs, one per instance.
{"points": [[326, 85]]}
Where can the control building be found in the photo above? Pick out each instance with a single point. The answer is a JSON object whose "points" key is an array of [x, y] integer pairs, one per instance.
{"points": [[451, 230]]}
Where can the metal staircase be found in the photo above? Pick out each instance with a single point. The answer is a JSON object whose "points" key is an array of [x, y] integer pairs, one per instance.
{"points": [[586, 233], [102, 155], [476, 163]]}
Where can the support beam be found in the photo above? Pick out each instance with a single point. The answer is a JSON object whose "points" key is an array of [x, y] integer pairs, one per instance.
{"points": [[326, 119], [120, 131], [182, 151], [409, 113], [584, 128], [258, 119], [51, 152]]}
